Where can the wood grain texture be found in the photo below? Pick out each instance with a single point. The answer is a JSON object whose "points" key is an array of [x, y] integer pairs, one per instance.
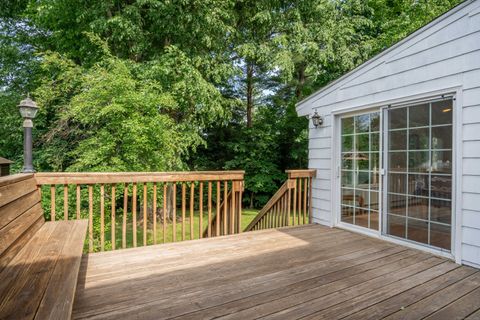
{"points": [[307, 271]]}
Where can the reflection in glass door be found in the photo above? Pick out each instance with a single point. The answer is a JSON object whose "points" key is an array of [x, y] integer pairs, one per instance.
{"points": [[419, 173], [360, 154]]}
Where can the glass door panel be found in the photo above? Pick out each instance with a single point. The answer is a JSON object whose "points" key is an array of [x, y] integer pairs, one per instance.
{"points": [[360, 162], [419, 173]]}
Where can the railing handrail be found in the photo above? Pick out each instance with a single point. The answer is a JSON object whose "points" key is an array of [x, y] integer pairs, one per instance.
{"points": [[301, 173], [50, 178]]}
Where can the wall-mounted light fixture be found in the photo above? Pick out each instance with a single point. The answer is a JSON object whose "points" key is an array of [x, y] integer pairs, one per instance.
{"points": [[317, 119]]}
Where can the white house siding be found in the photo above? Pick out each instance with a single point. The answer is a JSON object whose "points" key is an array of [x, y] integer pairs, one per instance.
{"points": [[441, 56]]}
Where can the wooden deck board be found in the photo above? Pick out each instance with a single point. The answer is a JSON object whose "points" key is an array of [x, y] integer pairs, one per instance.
{"points": [[289, 273]]}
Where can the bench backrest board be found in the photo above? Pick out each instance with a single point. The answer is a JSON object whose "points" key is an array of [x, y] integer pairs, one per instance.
{"points": [[21, 214]]}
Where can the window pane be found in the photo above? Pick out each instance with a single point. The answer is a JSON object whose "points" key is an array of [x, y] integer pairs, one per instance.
{"points": [[362, 179], [441, 211], [362, 161], [362, 142], [397, 204], [374, 180], [375, 161], [417, 230], [348, 197], [374, 142], [418, 184], [362, 123], [442, 137], [361, 217], [374, 200], [373, 220], [396, 226], [347, 161], [418, 208], [347, 179], [418, 161], [397, 118], [419, 116], [397, 182], [397, 161], [419, 139], [375, 121], [397, 140], [441, 161], [440, 236], [442, 112], [347, 143], [347, 214], [347, 125], [441, 187]]}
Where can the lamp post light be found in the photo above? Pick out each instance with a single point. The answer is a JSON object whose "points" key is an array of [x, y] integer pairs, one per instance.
{"points": [[28, 110]]}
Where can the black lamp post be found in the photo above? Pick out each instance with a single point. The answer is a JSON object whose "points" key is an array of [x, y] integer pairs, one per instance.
{"points": [[28, 110]]}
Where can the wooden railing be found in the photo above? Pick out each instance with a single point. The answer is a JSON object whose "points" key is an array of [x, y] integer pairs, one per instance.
{"points": [[291, 205], [150, 206]]}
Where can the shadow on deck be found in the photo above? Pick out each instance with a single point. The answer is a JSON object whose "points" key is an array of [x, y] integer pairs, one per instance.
{"points": [[299, 272]]}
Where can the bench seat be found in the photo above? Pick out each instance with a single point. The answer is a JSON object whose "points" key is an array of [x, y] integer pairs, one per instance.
{"points": [[39, 262]]}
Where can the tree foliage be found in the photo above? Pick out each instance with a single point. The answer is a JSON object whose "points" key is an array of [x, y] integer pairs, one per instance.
{"points": [[183, 85]]}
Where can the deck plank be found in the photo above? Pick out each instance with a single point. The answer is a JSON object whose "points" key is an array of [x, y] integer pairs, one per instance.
{"points": [[288, 273]]}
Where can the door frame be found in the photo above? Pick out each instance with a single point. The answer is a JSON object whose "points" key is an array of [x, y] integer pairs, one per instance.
{"points": [[456, 229]]}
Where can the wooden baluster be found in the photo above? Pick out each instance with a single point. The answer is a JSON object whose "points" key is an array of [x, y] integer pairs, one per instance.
{"points": [[305, 182], [192, 198], [65, 202], [125, 213], [52, 202], [154, 211], [217, 218], [232, 210], [78, 201], [102, 217], [209, 227], [240, 229], [145, 193], [164, 215], [299, 201], [113, 215], [183, 211], [295, 202], [90, 218], [284, 210], [289, 201], [225, 206], [134, 214], [200, 204], [174, 213], [310, 182]]}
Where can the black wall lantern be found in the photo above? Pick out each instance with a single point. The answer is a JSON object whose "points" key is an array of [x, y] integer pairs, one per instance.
{"points": [[317, 120], [28, 110]]}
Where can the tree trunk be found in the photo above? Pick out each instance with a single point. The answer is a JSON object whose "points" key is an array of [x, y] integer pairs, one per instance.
{"points": [[249, 94], [251, 200], [300, 81]]}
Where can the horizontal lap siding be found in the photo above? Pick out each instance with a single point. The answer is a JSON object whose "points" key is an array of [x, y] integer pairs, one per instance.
{"points": [[447, 55], [471, 169]]}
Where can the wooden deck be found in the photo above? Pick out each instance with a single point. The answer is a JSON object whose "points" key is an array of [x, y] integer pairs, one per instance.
{"points": [[310, 272]]}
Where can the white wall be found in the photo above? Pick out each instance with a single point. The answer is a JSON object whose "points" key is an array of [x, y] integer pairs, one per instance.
{"points": [[441, 57]]}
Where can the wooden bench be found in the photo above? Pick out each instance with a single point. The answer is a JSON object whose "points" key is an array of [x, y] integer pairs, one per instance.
{"points": [[39, 262]]}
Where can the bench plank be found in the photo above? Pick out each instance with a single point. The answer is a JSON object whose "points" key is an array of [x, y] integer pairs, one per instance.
{"points": [[13, 191], [64, 279], [54, 248]]}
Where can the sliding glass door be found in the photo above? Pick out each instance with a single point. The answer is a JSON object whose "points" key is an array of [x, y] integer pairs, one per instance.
{"points": [[418, 158], [360, 163]]}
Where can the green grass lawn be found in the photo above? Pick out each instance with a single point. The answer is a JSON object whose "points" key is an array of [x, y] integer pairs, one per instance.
{"points": [[247, 216]]}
